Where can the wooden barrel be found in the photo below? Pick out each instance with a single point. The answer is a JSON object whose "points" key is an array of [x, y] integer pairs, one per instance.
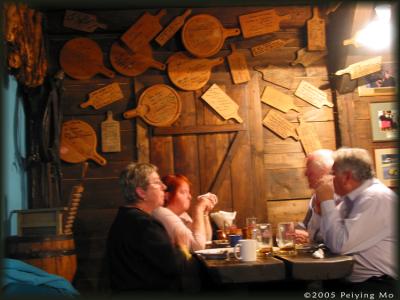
{"points": [[54, 254]]}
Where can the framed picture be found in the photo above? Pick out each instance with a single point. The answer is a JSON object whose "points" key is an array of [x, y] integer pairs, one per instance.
{"points": [[387, 165], [380, 83], [384, 121]]}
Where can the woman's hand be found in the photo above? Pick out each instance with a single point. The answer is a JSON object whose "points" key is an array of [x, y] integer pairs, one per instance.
{"points": [[207, 201]]}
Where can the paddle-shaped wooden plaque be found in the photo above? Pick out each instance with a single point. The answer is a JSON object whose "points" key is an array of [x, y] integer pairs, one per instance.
{"points": [[276, 122], [169, 31], [363, 68], [238, 66], [278, 99], [104, 96], [308, 136], [81, 21], [277, 75], [312, 94], [307, 58], [268, 46], [222, 103], [259, 23], [316, 36], [110, 134]]}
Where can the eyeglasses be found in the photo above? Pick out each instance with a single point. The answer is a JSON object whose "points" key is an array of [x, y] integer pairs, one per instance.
{"points": [[157, 182]]}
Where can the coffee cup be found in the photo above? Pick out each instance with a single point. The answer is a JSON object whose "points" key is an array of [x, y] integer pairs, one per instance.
{"points": [[248, 250], [234, 239]]}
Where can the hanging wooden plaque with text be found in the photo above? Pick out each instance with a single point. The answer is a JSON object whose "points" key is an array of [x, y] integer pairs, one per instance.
{"points": [[308, 136], [316, 36], [276, 122], [307, 58], [363, 68], [169, 31], [238, 66], [275, 44], [277, 99], [277, 75], [222, 103], [104, 96], [110, 134], [259, 23], [312, 94], [81, 21]]}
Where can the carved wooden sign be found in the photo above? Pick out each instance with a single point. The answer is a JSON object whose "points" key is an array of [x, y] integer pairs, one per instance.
{"points": [[259, 23], [307, 58], [316, 36], [81, 21], [276, 122], [159, 105], [110, 134], [277, 99], [169, 31], [277, 75], [363, 68], [222, 103], [308, 136], [143, 31], [104, 96], [268, 46], [238, 66], [312, 94]]}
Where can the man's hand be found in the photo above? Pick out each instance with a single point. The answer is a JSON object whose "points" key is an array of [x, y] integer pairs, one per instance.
{"points": [[324, 190], [301, 236]]}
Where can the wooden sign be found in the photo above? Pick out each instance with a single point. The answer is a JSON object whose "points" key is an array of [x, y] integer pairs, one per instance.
{"points": [[277, 99], [312, 94], [275, 44], [104, 96], [363, 68], [222, 103], [172, 28], [203, 35], [316, 36], [159, 105], [276, 122], [238, 66], [277, 75], [308, 136], [143, 31], [259, 23], [81, 21], [307, 58], [110, 134]]}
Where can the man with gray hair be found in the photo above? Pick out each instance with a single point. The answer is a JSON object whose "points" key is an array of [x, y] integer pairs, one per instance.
{"points": [[364, 224]]}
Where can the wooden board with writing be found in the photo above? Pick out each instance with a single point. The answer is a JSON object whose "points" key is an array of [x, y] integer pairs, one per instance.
{"points": [[110, 134], [260, 23], [276, 122], [277, 99], [277, 75], [268, 46], [238, 66], [307, 58], [222, 103], [104, 96], [81, 21], [312, 94], [169, 31], [143, 30], [308, 136], [362, 68], [316, 36]]}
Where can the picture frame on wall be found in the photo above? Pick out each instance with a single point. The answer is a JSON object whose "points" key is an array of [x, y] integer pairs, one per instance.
{"points": [[384, 121], [380, 83], [387, 166]]}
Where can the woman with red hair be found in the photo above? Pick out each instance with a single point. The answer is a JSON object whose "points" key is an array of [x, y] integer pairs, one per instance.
{"points": [[181, 228]]}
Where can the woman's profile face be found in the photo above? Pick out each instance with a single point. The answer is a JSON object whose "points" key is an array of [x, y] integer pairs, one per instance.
{"points": [[183, 196]]}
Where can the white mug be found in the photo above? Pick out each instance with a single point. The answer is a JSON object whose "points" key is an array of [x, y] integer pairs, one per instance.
{"points": [[248, 250]]}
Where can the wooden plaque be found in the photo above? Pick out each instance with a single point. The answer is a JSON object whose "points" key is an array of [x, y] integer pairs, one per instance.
{"points": [[277, 99], [238, 66], [81, 21], [276, 122], [307, 58], [110, 134], [222, 103], [308, 137], [265, 47], [104, 96], [259, 23], [143, 31], [316, 36], [312, 94], [169, 31], [277, 75], [363, 68]]}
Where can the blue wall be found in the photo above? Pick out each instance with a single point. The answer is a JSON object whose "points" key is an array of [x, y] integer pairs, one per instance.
{"points": [[15, 189]]}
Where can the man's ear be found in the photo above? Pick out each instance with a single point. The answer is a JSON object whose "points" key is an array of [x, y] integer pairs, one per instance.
{"points": [[140, 192]]}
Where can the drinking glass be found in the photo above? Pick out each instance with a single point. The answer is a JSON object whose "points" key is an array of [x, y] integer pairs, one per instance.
{"points": [[251, 228], [285, 238], [264, 239]]}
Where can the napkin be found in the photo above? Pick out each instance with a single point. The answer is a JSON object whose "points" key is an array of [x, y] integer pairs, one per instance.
{"points": [[319, 253], [222, 218]]}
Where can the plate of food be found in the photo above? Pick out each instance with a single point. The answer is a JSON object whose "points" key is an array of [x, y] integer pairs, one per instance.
{"points": [[215, 253]]}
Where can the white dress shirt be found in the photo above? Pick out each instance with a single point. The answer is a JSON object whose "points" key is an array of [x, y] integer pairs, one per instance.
{"points": [[367, 231]]}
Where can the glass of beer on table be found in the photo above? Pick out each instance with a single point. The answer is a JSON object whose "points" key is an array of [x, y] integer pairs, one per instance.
{"points": [[264, 239], [285, 238]]}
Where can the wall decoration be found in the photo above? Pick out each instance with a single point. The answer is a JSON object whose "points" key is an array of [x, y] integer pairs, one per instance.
{"points": [[307, 58], [278, 99], [384, 121], [316, 37], [104, 96], [82, 21], [308, 136], [387, 165], [238, 66], [312, 94], [268, 46], [276, 122], [278, 75], [362, 68], [110, 134], [169, 31], [380, 83]]}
